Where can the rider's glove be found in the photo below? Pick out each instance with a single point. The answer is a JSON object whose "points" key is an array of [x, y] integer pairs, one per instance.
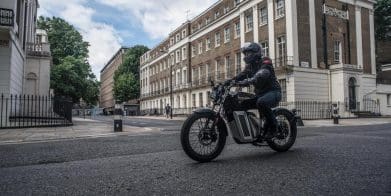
{"points": [[243, 83], [228, 82]]}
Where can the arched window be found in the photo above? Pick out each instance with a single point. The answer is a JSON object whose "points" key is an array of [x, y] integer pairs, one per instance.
{"points": [[352, 94]]}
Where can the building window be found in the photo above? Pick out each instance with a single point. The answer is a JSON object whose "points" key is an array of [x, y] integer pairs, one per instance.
{"points": [[227, 67], [208, 44], [249, 22], [337, 52], [237, 30], [226, 10], [207, 20], [265, 48], [184, 53], [389, 100], [262, 16], [283, 90], [238, 62], [281, 49], [201, 100], [227, 35], [172, 41], [199, 25], [193, 96], [178, 56], [217, 39], [217, 14], [183, 33], [236, 2], [193, 51], [280, 8], [178, 37], [200, 47]]}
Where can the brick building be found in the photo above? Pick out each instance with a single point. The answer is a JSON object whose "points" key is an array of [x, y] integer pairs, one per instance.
{"points": [[297, 34], [106, 98]]}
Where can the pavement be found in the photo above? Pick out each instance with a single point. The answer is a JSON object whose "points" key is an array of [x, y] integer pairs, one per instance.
{"points": [[140, 125], [82, 128]]}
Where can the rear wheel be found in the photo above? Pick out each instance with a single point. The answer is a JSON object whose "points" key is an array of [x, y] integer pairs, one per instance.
{"points": [[200, 142], [286, 131]]}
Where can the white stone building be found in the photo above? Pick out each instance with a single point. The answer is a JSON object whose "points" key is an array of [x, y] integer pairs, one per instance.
{"points": [[321, 52]]}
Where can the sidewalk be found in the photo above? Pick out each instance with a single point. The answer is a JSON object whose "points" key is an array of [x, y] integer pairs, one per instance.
{"points": [[82, 128], [308, 123]]}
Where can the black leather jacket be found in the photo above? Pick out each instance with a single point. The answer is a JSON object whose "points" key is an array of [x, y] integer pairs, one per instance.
{"points": [[261, 75]]}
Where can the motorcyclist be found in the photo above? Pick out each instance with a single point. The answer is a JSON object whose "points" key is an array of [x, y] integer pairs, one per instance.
{"points": [[259, 72]]}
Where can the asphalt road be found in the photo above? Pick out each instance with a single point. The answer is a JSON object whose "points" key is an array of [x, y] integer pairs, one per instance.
{"points": [[324, 161]]}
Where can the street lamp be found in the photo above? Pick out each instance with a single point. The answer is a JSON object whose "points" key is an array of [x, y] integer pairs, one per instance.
{"points": [[171, 95]]}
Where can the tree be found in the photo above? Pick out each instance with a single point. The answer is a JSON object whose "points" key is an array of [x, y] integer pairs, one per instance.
{"points": [[383, 20], [127, 76], [71, 74], [125, 87]]}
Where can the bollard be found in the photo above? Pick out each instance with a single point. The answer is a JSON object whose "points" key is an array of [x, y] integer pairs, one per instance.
{"points": [[117, 118], [335, 114], [299, 121]]}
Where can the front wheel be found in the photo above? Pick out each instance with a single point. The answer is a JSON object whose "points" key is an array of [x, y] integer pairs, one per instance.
{"points": [[200, 142], [286, 132]]}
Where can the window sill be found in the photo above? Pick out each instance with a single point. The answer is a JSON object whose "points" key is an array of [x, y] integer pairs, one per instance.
{"points": [[279, 17], [263, 24], [248, 31]]}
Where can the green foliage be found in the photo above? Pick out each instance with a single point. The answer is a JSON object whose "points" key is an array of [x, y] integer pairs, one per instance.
{"points": [[126, 78], [383, 20], [64, 39], [71, 73], [126, 87]]}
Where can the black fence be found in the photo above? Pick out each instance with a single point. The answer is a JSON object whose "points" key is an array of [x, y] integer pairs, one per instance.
{"points": [[21, 111], [307, 110]]}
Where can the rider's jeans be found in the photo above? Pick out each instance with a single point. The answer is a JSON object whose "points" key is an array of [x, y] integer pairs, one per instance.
{"points": [[264, 102]]}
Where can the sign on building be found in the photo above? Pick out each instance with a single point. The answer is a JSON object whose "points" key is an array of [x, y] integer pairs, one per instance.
{"points": [[335, 12], [6, 17]]}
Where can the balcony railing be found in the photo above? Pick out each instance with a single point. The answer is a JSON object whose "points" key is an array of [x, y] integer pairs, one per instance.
{"points": [[6, 17], [39, 49]]}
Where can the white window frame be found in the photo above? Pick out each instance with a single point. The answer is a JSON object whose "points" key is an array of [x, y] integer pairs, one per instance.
{"points": [[263, 16], [337, 52], [249, 23], [184, 53], [178, 56], [237, 29], [178, 37], [280, 8], [217, 14], [193, 51], [184, 33], [281, 52], [200, 47], [217, 39], [265, 48], [208, 44], [227, 35]]}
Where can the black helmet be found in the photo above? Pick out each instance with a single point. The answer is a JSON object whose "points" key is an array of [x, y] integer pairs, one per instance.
{"points": [[252, 52]]}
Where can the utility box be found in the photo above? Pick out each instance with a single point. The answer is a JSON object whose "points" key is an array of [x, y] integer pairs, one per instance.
{"points": [[117, 118]]}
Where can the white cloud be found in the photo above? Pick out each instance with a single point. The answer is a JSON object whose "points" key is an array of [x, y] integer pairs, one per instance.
{"points": [[104, 40], [158, 18]]}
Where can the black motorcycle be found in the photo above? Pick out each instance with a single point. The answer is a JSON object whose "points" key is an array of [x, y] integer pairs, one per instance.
{"points": [[203, 134]]}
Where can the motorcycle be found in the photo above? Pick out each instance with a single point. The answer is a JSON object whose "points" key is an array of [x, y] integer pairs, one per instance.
{"points": [[204, 132]]}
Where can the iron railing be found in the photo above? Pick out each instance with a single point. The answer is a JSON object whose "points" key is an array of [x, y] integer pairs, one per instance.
{"points": [[21, 111], [307, 110]]}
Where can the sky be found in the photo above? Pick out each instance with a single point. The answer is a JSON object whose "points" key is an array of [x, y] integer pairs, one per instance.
{"points": [[109, 24]]}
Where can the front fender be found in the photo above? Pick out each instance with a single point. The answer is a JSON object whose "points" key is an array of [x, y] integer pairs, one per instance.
{"points": [[221, 124], [204, 111]]}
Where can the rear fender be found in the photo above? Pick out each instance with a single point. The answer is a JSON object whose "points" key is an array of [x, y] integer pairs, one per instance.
{"points": [[291, 116]]}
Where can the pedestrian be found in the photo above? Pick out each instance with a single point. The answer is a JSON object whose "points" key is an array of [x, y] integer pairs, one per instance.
{"points": [[168, 110]]}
